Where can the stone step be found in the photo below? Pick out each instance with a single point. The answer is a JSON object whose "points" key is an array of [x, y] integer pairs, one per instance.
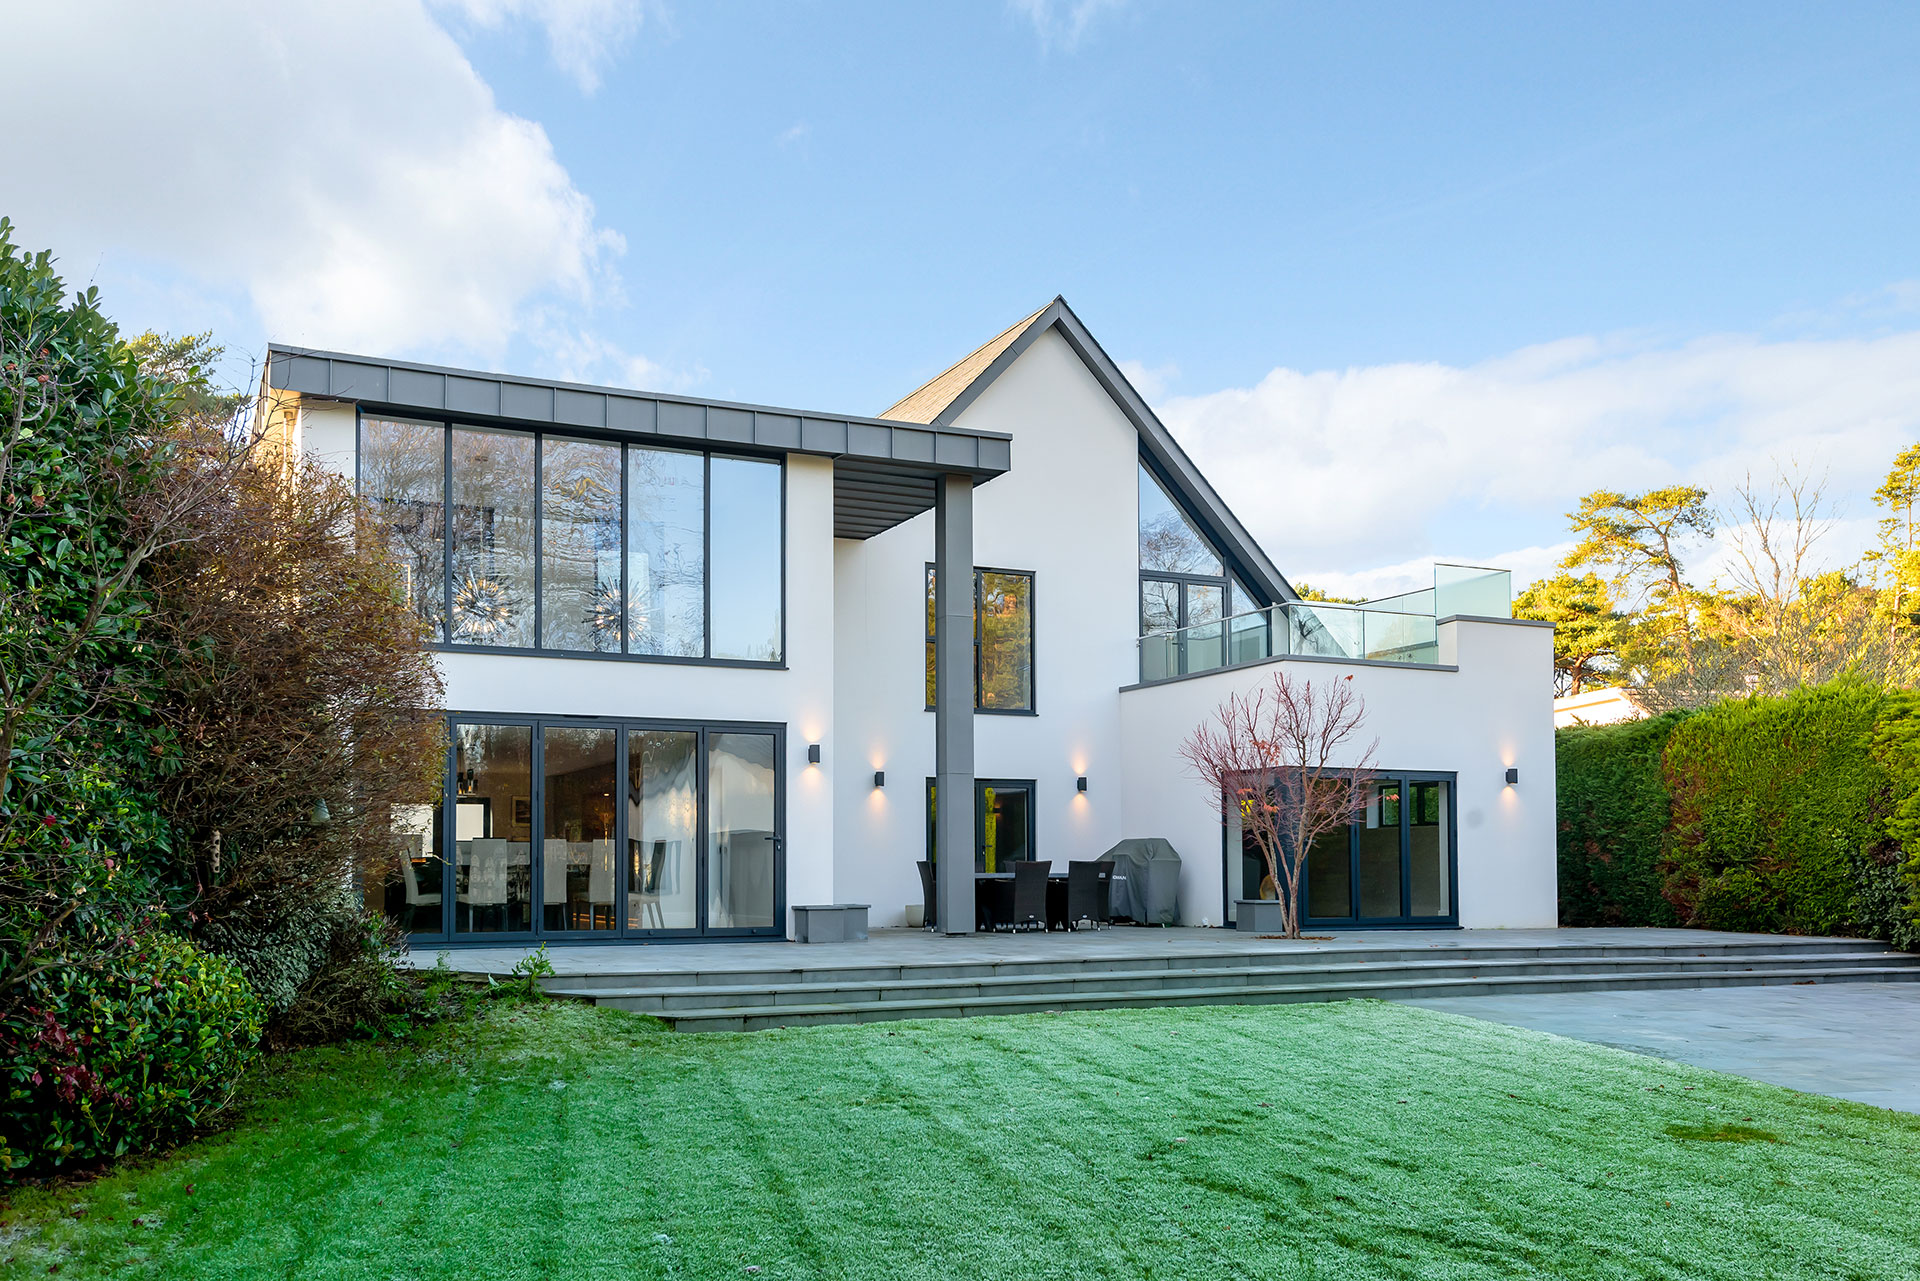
{"points": [[1252, 957], [753, 1018], [657, 1000]]}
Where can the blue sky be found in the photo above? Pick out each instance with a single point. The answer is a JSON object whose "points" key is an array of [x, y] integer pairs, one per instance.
{"points": [[1406, 279]]}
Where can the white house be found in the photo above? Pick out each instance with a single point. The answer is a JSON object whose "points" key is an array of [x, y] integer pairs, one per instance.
{"points": [[696, 678]]}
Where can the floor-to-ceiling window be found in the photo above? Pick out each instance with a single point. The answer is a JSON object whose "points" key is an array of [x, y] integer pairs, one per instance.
{"points": [[1393, 866], [570, 827], [1186, 591], [516, 540]]}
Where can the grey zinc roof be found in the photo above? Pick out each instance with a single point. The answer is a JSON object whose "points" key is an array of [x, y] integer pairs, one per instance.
{"points": [[884, 473], [943, 399]]}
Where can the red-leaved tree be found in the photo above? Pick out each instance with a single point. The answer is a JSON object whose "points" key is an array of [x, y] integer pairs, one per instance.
{"points": [[1288, 756]]}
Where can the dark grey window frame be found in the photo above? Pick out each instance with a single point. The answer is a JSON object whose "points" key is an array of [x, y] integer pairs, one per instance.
{"points": [[1230, 570], [447, 423], [980, 786], [623, 725], [1033, 640], [1406, 921]]}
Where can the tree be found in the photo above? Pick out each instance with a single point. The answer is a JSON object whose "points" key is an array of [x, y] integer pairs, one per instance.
{"points": [[1640, 537], [1588, 633], [1287, 758], [300, 698], [1898, 555]]}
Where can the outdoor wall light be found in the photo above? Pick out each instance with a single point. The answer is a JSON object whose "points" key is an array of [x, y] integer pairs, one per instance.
{"points": [[879, 778], [813, 753], [1513, 776], [1080, 784]]}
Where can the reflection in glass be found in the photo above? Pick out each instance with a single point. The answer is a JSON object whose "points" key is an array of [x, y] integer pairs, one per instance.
{"points": [[493, 537], [1159, 606], [401, 473], [1430, 823], [493, 829], [1168, 540], [666, 553], [1004, 608], [1205, 637], [1006, 824], [1379, 852], [1330, 877], [662, 816], [580, 545], [740, 830], [412, 895], [577, 817], [745, 528]]}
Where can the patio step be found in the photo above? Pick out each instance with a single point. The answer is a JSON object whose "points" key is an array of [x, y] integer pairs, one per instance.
{"points": [[742, 1001]]}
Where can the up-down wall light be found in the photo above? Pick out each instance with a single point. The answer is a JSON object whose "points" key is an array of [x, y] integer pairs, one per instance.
{"points": [[813, 753], [1080, 784], [1513, 776], [879, 778]]}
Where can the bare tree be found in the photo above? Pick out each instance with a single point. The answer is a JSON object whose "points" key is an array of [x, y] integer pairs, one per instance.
{"points": [[1288, 758]]}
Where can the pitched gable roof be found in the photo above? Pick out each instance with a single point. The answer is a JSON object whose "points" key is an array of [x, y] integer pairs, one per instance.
{"points": [[942, 400]]}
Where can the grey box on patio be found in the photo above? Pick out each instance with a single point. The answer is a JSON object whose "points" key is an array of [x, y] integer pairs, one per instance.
{"points": [[830, 923]]}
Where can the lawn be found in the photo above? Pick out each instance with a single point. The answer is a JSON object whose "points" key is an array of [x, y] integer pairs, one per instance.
{"points": [[1356, 1140]]}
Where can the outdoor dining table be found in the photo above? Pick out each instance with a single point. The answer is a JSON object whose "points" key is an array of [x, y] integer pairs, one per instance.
{"points": [[1056, 899]]}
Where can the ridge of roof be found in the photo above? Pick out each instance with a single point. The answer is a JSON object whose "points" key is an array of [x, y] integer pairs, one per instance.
{"points": [[946, 397], [929, 400]]}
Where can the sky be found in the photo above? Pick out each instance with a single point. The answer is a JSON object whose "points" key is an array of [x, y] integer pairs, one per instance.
{"points": [[1406, 280]]}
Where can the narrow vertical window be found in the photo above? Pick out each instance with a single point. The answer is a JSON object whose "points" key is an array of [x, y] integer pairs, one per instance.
{"points": [[493, 829], [493, 538], [402, 473], [580, 545], [666, 553], [745, 527], [1002, 656]]}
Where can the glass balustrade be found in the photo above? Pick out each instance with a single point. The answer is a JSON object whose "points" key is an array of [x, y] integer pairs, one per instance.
{"points": [[1394, 629]]}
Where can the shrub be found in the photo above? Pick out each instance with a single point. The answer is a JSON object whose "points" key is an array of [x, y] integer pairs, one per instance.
{"points": [[357, 989], [132, 1051], [1774, 800], [1613, 812]]}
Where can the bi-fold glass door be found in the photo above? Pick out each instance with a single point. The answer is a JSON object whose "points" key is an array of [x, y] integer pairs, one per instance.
{"points": [[578, 829], [1394, 866]]}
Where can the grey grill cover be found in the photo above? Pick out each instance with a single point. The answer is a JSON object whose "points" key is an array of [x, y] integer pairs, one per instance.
{"points": [[1146, 880]]}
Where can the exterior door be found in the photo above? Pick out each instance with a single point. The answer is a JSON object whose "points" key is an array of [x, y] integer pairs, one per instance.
{"points": [[1395, 866], [597, 830], [1003, 822]]}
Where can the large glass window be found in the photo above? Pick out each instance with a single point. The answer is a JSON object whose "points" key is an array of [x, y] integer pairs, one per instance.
{"points": [[1002, 640], [742, 846], [493, 829], [580, 545], [493, 537], [577, 828], [666, 552], [745, 493], [403, 473], [628, 548], [1430, 825], [1184, 583], [1168, 540], [663, 858]]}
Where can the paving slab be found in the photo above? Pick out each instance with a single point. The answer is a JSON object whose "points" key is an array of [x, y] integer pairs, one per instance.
{"points": [[1858, 1041]]}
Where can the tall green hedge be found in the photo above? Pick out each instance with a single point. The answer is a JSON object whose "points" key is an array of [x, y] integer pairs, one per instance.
{"points": [[1796, 814], [1613, 822]]}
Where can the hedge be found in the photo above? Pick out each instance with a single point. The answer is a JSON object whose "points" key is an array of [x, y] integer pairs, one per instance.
{"points": [[1796, 814], [1613, 807]]}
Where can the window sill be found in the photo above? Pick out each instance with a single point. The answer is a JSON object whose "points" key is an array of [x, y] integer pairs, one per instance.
{"points": [[999, 711], [592, 656]]}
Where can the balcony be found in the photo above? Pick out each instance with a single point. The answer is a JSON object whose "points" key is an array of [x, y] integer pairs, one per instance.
{"points": [[1393, 629]]}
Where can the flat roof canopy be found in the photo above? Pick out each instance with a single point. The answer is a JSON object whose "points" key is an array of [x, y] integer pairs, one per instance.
{"points": [[884, 471]]}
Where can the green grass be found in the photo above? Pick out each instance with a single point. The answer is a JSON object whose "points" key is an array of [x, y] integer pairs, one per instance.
{"points": [[1357, 1140]]}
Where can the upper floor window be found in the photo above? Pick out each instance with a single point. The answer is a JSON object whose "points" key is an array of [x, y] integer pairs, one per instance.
{"points": [[1002, 640], [530, 541], [1183, 579]]}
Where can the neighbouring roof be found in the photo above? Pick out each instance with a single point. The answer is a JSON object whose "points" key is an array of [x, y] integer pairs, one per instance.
{"points": [[884, 470], [942, 400]]}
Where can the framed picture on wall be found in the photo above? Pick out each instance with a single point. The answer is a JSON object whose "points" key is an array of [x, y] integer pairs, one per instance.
{"points": [[522, 817]]}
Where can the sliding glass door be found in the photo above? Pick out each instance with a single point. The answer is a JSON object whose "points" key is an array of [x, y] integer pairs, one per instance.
{"points": [[593, 829]]}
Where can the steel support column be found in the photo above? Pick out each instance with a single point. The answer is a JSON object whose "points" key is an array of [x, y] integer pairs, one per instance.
{"points": [[953, 700]]}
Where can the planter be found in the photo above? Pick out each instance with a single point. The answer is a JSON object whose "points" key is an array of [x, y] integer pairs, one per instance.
{"points": [[830, 923], [1259, 915], [916, 916]]}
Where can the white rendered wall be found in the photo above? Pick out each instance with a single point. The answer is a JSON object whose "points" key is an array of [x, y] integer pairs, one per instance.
{"points": [[329, 434], [800, 697], [1495, 712], [1066, 512]]}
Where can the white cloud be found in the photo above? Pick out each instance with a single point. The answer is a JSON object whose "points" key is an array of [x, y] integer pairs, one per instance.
{"points": [[1061, 23], [1151, 383], [340, 163], [1334, 471], [583, 36]]}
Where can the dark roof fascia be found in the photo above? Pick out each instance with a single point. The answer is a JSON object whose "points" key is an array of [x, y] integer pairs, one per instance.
{"points": [[1171, 462], [471, 395]]}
